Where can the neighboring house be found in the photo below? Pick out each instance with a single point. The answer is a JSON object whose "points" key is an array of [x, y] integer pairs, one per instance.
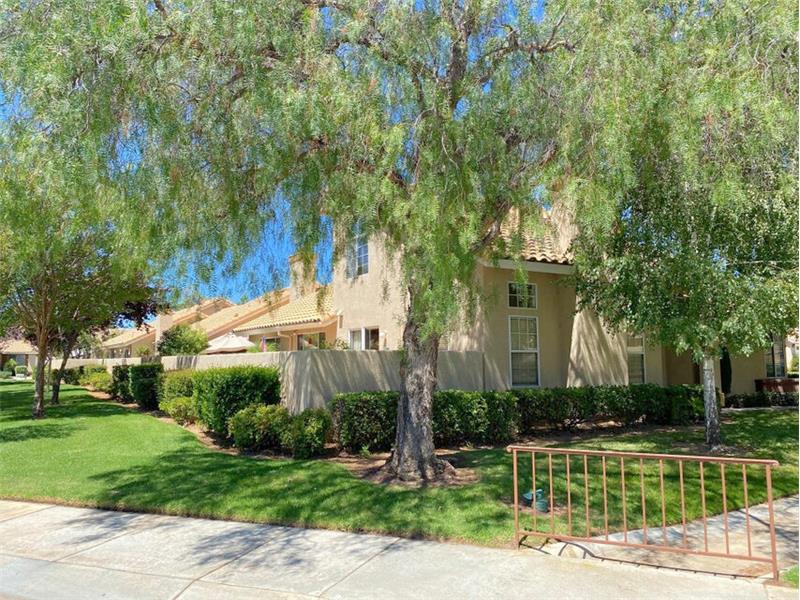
{"points": [[529, 337], [303, 324], [143, 340], [23, 353]]}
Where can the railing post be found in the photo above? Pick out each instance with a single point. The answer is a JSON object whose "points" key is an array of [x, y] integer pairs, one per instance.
{"points": [[772, 540], [516, 498]]}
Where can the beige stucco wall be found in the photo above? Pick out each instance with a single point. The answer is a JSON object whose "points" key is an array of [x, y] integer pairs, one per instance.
{"points": [[596, 357], [489, 330], [744, 371], [287, 338], [370, 300]]}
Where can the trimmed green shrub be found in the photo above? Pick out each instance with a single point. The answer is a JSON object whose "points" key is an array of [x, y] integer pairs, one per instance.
{"points": [[180, 408], [5, 374], [222, 392], [461, 417], [10, 365], [21, 370], [259, 426], [145, 384], [120, 383], [177, 384], [364, 421], [100, 381], [761, 399], [307, 433], [182, 339], [68, 376]]}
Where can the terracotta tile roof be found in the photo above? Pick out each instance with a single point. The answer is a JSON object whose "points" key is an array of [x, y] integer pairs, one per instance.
{"points": [[234, 315], [129, 336], [16, 347], [306, 309], [182, 314], [540, 247]]}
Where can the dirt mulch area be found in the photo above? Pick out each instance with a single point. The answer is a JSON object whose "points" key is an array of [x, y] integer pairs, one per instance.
{"points": [[369, 468]]}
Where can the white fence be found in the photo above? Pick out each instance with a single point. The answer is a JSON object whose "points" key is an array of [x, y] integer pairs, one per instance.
{"points": [[310, 378]]}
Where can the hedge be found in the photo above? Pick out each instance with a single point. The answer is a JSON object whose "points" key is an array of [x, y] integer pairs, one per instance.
{"points": [[120, 383], [21, 370], [178, 384], [180, 408], [762, 399], [145, 384], [222, 392], [5, 374], [365, 421], [259, 427], [461, 417], [100, 381], [307, 433], [69, 376]]}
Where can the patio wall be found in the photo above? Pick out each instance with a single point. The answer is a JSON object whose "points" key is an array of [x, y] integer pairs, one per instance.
{"points": [[309, 379]]}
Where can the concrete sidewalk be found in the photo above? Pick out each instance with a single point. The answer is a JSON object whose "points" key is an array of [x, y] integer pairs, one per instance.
{"points": [[58, 552]]}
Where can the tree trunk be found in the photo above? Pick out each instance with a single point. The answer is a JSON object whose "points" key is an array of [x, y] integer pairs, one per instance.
{"points": [[38, 395], [413, 458], [57, 380], [713, 434]]}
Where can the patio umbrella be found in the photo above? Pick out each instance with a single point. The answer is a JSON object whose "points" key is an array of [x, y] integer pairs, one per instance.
{"points": [[230, 342]]}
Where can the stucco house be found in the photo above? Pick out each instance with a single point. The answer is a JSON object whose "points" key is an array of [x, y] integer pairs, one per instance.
{"points": [[23, 352], [529, 337]]}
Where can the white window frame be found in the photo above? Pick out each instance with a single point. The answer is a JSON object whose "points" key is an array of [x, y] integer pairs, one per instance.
{"points": [[362, 332], [537, 351], [534, 296], [776, 349], [636, 350], [352, 255]]}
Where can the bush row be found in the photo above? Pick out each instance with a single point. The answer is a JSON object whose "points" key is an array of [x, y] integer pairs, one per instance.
{"points": [[366, 421], [271, 427], [759, 399]]}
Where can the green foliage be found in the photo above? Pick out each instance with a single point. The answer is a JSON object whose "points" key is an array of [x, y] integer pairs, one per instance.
{"points": [[5, 374], [10, 365], [259, 427], [180, 408], [21, 370], [182, 339], [760, 399], [222, 392], [474, 417], [307, 433], [178, 383], [794, 365], [145, 384], [364, 420], [100, 381], [68, 376], [120, 383]]}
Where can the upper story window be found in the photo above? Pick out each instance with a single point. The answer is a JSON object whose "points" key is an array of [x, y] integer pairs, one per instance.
{"points": [[521, 295], [775, 358], [636, 373], [357, 256]]}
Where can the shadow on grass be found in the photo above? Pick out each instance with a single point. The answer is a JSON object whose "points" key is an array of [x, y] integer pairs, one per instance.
{"points": [[21, 433]]}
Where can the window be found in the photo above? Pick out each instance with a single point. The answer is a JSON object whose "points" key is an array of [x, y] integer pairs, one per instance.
{"points": [[310, 341], [269, 344], [521, 295], [356, 339], [365, 339], [524, 350], [775, 358], [357, 256], [635, 359]]}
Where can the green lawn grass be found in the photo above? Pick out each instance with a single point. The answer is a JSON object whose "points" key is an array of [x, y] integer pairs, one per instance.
{"points": [[790, 576], [98, 453]]}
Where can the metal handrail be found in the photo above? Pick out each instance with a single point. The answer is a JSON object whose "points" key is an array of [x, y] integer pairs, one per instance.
{"points": [[640, 458]]}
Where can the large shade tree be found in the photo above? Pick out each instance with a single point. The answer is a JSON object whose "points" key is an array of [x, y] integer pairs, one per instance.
{"points": [[683, 174], [66, 268], [425, 122]]}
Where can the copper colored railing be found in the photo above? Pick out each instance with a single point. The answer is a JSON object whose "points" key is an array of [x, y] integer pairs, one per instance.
{"points": [[584, 481]]}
